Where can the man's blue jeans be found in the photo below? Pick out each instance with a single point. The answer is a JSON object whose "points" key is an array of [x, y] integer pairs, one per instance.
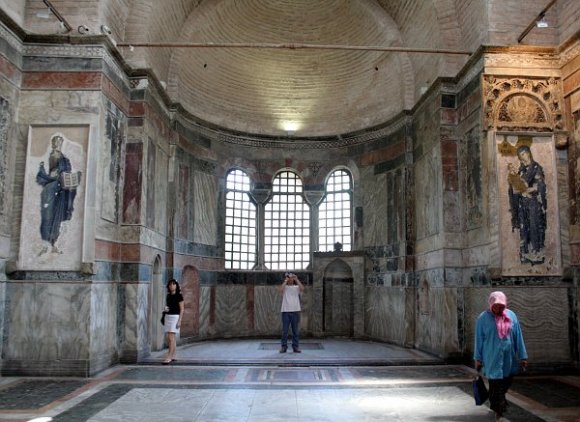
{"points": [[291, 319]]}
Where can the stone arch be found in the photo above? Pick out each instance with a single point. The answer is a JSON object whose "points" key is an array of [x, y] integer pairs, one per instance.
{"points": [[517, 104], [338, 299]]}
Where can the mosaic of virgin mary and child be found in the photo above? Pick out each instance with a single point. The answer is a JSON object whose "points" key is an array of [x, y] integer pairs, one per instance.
{"points": [[528, 205]]}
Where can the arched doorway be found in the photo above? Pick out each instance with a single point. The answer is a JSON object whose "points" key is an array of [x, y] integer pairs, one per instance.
{"points": [[156, 299], [338, 300], [190, 291]]}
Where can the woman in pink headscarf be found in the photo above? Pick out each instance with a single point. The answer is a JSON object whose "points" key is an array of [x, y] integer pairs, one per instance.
{"points": [[499, 349]]}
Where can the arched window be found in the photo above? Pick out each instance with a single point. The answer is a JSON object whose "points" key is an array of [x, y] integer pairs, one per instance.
{"points": [[287, 225], [240, 223], [335, 213]]}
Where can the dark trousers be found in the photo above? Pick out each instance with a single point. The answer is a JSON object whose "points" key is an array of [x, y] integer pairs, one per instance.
{"points": [[291, 319], [497, 391]]}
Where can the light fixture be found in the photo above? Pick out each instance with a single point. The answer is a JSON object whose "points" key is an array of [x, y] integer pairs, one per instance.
{"points": [[290, 127], [542, 23], [83, 29]]}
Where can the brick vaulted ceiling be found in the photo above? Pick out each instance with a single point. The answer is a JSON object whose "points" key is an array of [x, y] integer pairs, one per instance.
{"points": [[269, 91], [316, 92]]}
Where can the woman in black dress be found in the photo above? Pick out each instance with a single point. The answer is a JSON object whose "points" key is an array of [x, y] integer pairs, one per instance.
{"points": [[173, 315]]}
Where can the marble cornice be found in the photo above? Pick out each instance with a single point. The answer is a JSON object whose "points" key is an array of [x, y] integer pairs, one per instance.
{"points": [[338, 141]]}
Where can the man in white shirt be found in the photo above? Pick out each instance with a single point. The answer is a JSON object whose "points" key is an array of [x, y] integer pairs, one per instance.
{"points": [[291, 290]]}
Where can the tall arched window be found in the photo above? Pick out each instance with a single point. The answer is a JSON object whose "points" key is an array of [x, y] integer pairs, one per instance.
{"points": [[287, 225], [240, 223], [335, 213]]}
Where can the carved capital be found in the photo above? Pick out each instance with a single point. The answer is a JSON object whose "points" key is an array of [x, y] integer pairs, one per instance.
{"points": [[260, 195], [313, 197]]}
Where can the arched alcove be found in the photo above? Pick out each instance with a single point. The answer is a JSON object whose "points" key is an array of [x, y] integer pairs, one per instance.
{"points": [[190, 291], [338, 299]]}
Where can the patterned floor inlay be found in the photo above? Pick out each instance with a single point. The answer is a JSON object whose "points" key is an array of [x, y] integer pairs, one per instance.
{"points": [[303, 346], [178, 373], [549, 392], [410, 372], [35, 394], [292, 375]]}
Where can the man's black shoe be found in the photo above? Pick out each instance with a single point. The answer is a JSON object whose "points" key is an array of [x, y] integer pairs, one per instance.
{"points": [[283, 349], [297, 350]]}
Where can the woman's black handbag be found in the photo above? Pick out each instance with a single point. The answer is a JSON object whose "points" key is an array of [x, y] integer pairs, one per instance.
{"points": [[163, 318], [480, 393]]}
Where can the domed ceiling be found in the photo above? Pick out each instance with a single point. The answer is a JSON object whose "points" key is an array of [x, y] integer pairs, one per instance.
{"points": [[274, 91], [348, 86]]}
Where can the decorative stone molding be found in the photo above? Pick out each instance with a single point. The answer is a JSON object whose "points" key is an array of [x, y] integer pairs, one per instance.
{"points": [[339, 141], [518, 104]]}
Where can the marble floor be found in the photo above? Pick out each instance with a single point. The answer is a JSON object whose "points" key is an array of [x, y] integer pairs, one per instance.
{"points": [[248, 380]]}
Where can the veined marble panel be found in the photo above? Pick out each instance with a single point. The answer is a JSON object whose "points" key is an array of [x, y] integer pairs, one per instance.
{"points": [[385, 313], [428, 194], [543, 313], [205, 213], [48, 321], [136, 337], [267, 303], [436, 330], [231, 311], [375, 205], [103, 320], [205, 327]]}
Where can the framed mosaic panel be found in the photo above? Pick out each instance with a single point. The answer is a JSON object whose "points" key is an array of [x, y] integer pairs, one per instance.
{"points": [[528, 201], [51, 235]]}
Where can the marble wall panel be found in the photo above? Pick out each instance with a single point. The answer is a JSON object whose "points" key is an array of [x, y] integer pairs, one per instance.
{"points": [[428, 195], [48, 321], [231, 311], [150, 197], [103, 322], [267, 303], [436, 330], [136, 335], [3, 304], [205, 212], [385, 314], [142, 312], [133, 184], [206, 328], [543, 313], [60, 248], [161, 192], [374, 202]]}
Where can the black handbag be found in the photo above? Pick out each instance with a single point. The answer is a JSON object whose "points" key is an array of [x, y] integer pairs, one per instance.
{"points": [[163, 318], [480, 393]]}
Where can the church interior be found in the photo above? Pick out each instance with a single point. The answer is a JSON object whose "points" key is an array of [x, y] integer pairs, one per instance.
{"points": [[379, 149]]}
